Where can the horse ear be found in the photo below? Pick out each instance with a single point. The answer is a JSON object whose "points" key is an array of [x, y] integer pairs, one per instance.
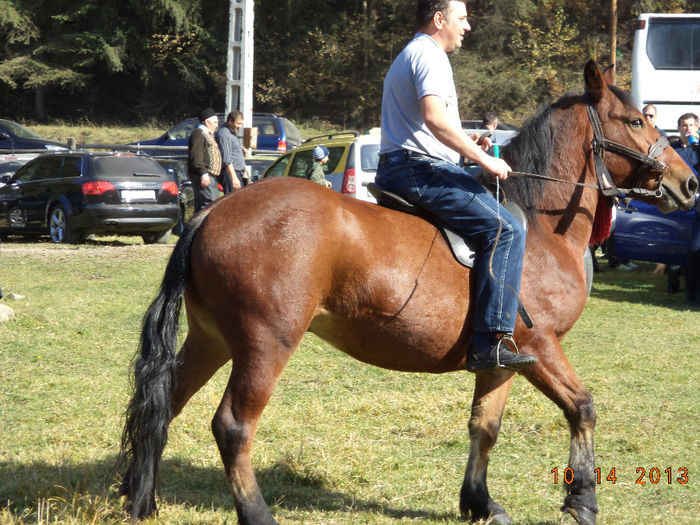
{"points": [[609, 74], [595, 83]]}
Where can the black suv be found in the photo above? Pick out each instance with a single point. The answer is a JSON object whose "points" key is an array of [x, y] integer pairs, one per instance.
{"points": [[73, 194]]}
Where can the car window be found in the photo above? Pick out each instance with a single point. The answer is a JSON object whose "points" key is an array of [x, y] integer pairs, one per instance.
{"points": [[301, 161], [183, 130], [72, 167], [334, 155], [369, 157], [292, 132], [48, 168], [123, 166], [278, 168], [266, 126]]}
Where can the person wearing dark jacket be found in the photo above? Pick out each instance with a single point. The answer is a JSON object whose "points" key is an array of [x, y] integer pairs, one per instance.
{"points": [[204, 160]]}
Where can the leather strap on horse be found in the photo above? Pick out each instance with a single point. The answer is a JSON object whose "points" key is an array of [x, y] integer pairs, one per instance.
{"points": [[600, 144]]}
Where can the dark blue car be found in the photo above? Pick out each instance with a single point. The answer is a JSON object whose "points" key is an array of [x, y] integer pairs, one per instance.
{"points": [[643, 233], [14, 137], [274, 134]]}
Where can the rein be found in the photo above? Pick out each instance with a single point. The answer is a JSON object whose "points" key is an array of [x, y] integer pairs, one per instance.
{"points": [[605, 184]]}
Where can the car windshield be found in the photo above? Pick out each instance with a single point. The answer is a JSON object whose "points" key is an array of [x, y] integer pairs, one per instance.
{"points": [[183, 130], [18, 130]]}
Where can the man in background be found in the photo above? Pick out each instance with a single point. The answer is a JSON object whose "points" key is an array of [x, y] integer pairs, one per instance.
{"points": [[232, 153], [204, 160]]}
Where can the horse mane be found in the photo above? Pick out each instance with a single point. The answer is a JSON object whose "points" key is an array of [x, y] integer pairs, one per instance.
{"points": [[530, 151]]}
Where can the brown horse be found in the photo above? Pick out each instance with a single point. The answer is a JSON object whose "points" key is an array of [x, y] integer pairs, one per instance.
{"points": [[263, 266]]}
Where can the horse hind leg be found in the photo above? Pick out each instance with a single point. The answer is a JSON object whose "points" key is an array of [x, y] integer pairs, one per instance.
{"points": [[250, 386], [490, 395]]}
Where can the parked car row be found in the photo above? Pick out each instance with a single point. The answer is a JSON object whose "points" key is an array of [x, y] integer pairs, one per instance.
{"points": [[73, 194], [274, 134]]}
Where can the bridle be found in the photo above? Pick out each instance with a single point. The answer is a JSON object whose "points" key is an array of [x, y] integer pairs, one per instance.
{"points": [[600, 144], [605, 184]]}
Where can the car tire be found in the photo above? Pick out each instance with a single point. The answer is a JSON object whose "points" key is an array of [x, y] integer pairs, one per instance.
{"points": [[157, 237], [59, 227]]}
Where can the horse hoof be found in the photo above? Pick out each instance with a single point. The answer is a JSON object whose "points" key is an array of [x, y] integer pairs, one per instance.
{"points": [[582, 515]]}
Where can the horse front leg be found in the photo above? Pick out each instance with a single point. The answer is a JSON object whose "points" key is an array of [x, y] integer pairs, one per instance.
{"points": [[490, 395], [555, 377]]}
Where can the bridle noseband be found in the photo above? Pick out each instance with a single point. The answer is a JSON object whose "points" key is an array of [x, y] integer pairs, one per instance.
{"points": [[600, 144]]}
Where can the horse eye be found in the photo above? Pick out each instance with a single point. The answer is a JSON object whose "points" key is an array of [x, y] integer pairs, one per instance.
{"points": [[637, 123]]}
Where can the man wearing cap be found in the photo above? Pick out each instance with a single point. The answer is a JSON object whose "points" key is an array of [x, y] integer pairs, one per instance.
{"points": [[204, 160], [315, 171], [422, 143]]}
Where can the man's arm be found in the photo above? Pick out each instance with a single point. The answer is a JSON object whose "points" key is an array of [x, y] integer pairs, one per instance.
{"points": [[435, 117]]}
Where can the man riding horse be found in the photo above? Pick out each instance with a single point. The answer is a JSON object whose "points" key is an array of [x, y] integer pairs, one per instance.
{"points": [[422, 145]]}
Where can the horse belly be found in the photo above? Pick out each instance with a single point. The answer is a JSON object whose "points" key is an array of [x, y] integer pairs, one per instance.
{"points": [[405, 321]]}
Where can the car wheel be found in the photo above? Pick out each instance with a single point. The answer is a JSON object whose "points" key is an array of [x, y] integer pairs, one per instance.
{"points": [[59, 226], [157, 237]]}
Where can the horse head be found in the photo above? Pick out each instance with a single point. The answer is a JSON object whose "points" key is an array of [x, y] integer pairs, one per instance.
{"points": [[631, 153]]}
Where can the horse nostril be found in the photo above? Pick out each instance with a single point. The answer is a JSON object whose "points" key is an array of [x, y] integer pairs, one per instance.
{"points": [[691, 185]]}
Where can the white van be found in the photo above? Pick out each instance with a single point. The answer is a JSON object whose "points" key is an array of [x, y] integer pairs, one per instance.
{"points": [[666, 65]]}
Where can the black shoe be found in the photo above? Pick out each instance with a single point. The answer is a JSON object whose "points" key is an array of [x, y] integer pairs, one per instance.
{"points": [[497, 355]]}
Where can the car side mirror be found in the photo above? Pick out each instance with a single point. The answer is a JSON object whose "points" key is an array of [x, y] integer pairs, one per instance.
{"points": [[4, 179]]}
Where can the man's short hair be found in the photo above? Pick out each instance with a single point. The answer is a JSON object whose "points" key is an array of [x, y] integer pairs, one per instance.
{"points": [[686, 116], [234, 116], [426, 9], [489, 118]]}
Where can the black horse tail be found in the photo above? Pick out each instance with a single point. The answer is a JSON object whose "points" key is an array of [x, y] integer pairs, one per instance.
{"points": [[149, 412]]}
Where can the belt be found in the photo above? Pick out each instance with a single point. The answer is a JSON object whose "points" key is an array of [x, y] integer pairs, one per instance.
{"points": [[402, 155]]}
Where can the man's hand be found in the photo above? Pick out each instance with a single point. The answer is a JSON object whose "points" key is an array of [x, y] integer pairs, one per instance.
{"points": [[483, 141], [204, 180], [497, 167]]}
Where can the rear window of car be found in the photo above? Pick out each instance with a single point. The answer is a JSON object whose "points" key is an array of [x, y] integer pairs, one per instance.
{"points": [[266, 126], [369, 157], [277, 169], [126, 166]]}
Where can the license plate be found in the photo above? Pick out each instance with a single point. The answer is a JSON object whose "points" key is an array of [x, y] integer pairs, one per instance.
{"points": [[138, 195]]}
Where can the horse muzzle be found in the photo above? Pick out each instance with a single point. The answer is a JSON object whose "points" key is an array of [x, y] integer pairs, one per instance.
{"points": [[682, 197]]}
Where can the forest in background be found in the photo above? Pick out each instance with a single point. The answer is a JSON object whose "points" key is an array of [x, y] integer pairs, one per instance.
{"points": [[133, 61]]}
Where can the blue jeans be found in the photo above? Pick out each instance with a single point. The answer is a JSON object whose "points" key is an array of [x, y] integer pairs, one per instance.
{"points": [[456, 199]]}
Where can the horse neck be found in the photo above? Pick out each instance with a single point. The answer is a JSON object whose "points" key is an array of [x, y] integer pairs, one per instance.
{"points": [[566, 209]]}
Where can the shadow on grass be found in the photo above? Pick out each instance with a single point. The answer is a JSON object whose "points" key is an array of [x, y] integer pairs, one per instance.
{"points": [[639, 286], [22, 485]]}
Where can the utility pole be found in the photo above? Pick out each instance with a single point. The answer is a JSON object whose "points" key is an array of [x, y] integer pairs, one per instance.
{"points": [[613, 37], [239, 60]]}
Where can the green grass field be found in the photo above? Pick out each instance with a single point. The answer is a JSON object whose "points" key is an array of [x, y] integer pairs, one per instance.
{"points": [[340, 442]]}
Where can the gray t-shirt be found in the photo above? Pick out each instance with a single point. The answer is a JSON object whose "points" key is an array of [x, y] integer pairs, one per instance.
{"points": [[421, 69]]}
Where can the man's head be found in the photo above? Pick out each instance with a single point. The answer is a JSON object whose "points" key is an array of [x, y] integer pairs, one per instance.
{"points": [[490, 120], [208, 117], [320, 154], [649, 112], [234, 120], [687, 126], [444, 20]]}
